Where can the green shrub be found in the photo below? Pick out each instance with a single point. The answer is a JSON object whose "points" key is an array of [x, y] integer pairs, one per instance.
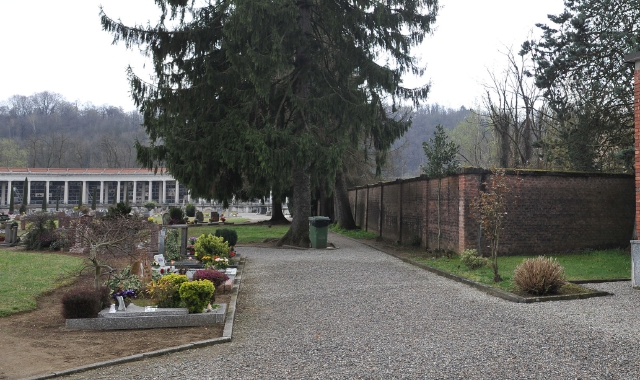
{"points": [[119, 210], [191, 210], [61, 242], [199, 216], [150, 205], [124, 280], [539, 276], [229, 235], [172, 245], [472, 260], [81, 303], [196, 294], [211, 246], [177, 215], [41, 232], [165, 292]]}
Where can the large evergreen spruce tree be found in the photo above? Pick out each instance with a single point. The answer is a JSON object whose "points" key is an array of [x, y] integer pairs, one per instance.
{"points": [[251, 91], [579, 63]]}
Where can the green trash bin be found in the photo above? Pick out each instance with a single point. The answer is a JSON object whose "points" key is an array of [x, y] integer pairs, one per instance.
{"points": [[318, 229]]}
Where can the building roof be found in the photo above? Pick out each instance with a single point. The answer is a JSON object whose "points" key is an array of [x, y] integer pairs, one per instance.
{"points": [[5, 170]]}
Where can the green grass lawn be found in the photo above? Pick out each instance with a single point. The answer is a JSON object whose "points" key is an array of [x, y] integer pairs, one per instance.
{"points": [[253, 233], [354, 234], [588, 265], [26, 275]]}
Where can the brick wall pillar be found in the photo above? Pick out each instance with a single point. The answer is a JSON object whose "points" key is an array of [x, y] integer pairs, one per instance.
{"points": [[634, 59]]}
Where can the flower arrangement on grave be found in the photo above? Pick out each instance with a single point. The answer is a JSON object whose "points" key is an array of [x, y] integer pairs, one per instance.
{"points": [[211, 247], [126, 294], [124, 280], [191, 250], [220, 262]]}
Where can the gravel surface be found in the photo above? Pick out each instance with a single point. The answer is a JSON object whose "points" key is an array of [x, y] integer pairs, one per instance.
{"points": [[355, 312]]}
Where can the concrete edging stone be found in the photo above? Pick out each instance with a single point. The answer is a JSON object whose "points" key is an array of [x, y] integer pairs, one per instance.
{"points": [[489, 289], [226, 337]]}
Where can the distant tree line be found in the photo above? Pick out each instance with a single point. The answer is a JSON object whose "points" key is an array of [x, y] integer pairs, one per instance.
{"points": [[45, 130]]}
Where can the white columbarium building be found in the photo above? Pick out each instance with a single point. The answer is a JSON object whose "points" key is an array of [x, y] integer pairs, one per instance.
{"points": [[69, 187]]}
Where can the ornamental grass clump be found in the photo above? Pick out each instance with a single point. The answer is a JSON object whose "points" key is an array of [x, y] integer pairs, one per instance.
{"points": [[472, 260], [539, 276], [196, 294]]}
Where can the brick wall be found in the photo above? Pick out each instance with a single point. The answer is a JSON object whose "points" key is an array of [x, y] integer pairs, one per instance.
{"points": [[636, 111], [549, 211]]}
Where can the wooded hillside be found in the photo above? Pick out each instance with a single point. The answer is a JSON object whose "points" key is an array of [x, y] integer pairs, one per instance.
{"points": [[45, 130]]}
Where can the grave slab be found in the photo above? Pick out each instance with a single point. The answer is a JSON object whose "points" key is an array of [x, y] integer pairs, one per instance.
{"points": [[136, 317]]}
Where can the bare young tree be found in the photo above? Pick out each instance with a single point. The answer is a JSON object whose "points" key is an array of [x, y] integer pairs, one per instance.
{"points": [[511, 101], [112, 237]]}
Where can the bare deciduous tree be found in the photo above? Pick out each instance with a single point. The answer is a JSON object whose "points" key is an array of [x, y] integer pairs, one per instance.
{"points": [[511, 101], [116, 236]]}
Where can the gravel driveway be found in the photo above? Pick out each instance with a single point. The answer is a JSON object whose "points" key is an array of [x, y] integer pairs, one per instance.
{"points": [[355, 312]]}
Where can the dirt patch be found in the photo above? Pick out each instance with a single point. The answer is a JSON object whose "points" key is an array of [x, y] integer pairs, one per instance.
{"points": [[37, 342]]}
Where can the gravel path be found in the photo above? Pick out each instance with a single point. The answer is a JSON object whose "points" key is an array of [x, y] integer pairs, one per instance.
{"points": [[355, 312]]}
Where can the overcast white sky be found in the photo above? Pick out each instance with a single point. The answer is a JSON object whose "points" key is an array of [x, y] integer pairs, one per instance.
{"points": [[59, 46]]}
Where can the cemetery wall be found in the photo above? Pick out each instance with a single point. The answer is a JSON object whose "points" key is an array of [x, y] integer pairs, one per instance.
{"points": [[548, 212]]}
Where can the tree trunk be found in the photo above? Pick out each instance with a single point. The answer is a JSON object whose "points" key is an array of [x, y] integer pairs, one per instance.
{"points": [[298, 234], [277, 216], [325, 206], [97, 274], [344, 218]]}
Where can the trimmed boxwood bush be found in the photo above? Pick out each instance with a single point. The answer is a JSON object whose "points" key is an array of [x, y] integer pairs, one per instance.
{"points": [[84, 302], [229, 235], [196, 294], [539, 276], [165, 292], [177, 215], [212, 246], [191, 210]]}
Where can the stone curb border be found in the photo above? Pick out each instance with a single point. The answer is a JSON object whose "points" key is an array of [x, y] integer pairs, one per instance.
{"points": [[489, 289], [226, 337]]}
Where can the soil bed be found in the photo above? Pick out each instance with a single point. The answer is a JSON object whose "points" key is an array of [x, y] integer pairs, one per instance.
{"points": [[37, 342]]}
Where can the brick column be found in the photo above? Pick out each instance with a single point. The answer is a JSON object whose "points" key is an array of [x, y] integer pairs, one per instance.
{"points": [[634, 59]]}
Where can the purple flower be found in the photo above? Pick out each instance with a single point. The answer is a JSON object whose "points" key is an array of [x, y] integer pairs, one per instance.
{"points": [[129, 293]]}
